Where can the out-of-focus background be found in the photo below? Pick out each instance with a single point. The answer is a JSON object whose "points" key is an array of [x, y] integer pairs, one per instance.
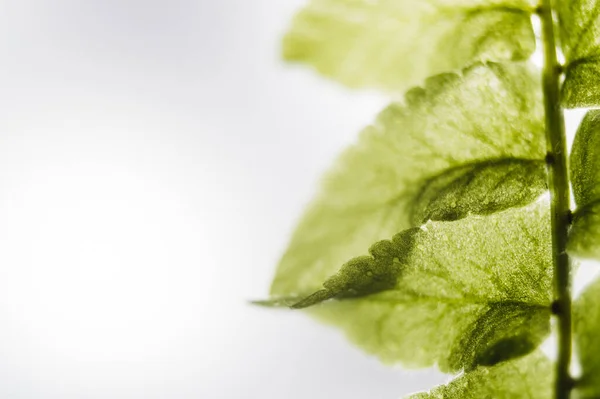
{"points": [[154, 157]]}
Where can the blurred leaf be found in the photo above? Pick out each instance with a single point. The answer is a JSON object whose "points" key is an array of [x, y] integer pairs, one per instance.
{"points": [[397, 44], [580, 40], [586, 325], [524, 378], [472, 292], [584, 238], [464, 144]]}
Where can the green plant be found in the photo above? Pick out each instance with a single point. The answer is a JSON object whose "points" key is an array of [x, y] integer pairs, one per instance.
{"points": [[469, 259]]}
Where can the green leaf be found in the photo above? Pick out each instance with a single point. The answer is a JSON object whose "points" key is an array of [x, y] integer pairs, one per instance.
{"points": [[586, 325], [464, 144], [585, 233], [584, 238], [524, 378], [585, 160], [468, 293], [367, 274], [360, 276], [506, 330], [396, 44], [580, 40], [480, 188]]}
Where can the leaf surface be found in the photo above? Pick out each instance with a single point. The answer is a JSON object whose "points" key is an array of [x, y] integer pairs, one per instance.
{"points": [[480, 188], [580, 41], [463, 144], [396, 44], [586, 324], [467, 293], [584, 237], [525, 378]]}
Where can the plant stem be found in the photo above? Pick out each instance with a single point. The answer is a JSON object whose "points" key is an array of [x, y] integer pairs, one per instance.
{"points": [[559, 197]]}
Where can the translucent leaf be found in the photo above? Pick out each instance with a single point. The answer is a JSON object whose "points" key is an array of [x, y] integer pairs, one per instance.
{"points": [[464, 144], [584, 238], [580, 40], [397, 44], [472, 292], [586, 325], [525, 378], [506, 330], [481, 188], [360, 276], [585, 160]]}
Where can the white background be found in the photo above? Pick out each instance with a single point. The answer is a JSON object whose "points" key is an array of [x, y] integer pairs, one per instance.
{"points": [[154, 157]]}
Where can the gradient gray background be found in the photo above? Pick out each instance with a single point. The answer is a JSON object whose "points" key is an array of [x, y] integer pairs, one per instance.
{"points": [[154, 157]]}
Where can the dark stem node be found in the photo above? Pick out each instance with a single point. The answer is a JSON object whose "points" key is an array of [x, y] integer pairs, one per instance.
{"points": [[556, 308]]}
